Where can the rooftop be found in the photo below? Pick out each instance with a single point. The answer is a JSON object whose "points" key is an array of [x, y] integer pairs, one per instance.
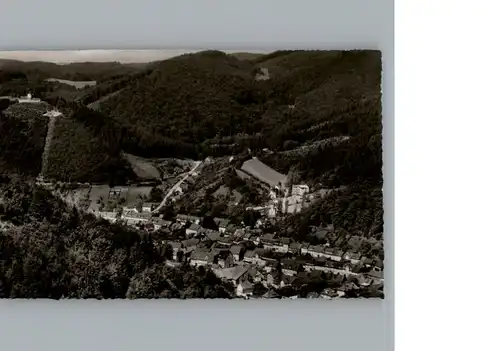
{"points": [[263, 172]]}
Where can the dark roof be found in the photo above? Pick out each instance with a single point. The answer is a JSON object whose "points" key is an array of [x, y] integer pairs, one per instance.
{"points": [[221, 222], [190, 242], [236, 249], [316, 248], [268, 236], [201, 254], [212, 235], [232, 273], [225, 240], [195, 227], [285, 241], [321, 233], [175, 244]]}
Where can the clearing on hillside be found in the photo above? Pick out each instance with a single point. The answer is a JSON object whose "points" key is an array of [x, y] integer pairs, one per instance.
{"points": [[143, 168]]}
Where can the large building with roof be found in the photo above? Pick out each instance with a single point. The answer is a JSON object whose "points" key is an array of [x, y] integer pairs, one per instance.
{"points": [[264, 173]]}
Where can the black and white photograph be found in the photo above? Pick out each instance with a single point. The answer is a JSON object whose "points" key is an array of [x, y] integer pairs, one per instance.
{"points": [[203, 174]]}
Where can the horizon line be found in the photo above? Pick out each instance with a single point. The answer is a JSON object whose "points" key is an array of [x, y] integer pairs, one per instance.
{"points": [[123, 56]]}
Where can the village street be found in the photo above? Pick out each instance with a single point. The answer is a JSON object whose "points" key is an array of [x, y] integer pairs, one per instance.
{"points": [[177, 186]]}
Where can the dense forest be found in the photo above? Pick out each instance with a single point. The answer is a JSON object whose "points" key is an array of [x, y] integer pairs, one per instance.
{"points": [[52, 251], [86, 148], [22, 138]]}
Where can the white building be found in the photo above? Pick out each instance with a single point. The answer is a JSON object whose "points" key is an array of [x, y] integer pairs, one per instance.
{"points": [[300, 190], [29, 99], [149, 206], [109, 216]]}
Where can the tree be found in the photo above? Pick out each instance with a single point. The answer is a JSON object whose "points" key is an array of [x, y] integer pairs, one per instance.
{"points": [[156, 194], [259, 289], [168, 211], [209, 223], [250, 218]]}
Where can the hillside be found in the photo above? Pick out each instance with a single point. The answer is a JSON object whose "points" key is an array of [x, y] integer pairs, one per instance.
{"points": [[22, 130], [86, 149], [210, 103], [53, 251]]}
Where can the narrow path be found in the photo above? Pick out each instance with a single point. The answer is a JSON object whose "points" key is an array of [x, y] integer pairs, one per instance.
{"points": [[176, 186], [53, 115]]}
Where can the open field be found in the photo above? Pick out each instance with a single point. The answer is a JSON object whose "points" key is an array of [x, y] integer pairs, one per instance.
{"points": [[76, 84], [92, 199], [143, 168]]}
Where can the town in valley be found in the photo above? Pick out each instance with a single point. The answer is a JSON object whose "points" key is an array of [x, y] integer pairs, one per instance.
{"points": [[265, 219]]}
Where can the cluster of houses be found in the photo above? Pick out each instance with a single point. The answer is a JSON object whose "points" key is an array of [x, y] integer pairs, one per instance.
{"points": [[245, 256]]}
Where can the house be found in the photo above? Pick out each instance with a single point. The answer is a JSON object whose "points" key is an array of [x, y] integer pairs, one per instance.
{"points": [[255, 168], [328, 294], [295, 248], [304, 248], [231, 229], [160, 223], [130, 209], [189, 244], [238, 233], [316, 251], [333, 254], [253, 257], [280, 245], [300, 190], [187, 218], [267, 239], [149, 226], [376, 274], [236, 274], [176, 246], [193, 229], [353, 257], [200, 257], [211, 235], [176, 226], [222, 224], [224, 258], [235, 251], [248, 237], [244, 289], [149, 206], [289, 267], [225, 241], [287, 280], [109, 216], [132, 218], [321, 233]]}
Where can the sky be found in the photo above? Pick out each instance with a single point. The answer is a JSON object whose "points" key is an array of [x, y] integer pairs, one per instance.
{"points": [[123, 56]]}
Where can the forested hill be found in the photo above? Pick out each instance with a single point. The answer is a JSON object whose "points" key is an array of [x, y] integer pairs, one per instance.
{"points": [[53, 251], [318, 111], [210, 103]]}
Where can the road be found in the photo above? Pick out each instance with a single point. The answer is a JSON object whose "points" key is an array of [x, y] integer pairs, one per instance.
{"points": [[176, 186]]}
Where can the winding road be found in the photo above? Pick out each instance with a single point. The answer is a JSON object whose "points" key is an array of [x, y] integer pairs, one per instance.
{"points": [[176, 186]]}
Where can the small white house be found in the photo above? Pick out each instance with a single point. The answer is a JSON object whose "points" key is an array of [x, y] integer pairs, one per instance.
{"points": [[244, 289], [300, 190]]}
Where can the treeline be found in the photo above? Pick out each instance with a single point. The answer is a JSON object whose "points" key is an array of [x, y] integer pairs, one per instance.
{"points": [[53, 251], [78, 71]]}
